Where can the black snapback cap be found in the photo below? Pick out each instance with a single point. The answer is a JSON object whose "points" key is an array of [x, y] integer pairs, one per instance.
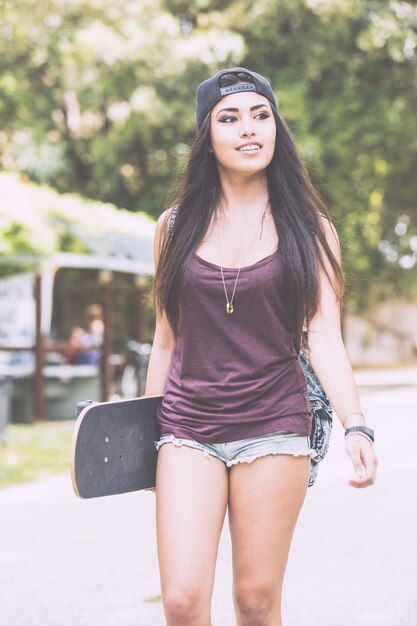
{"points": [[209, 91]]}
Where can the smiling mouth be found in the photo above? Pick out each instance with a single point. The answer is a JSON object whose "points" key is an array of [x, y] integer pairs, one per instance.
{"points": [[250, 148]]}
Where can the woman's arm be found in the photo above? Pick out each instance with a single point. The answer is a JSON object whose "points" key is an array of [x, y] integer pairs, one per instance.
{"points": [[164, 340], [332, 366], [160, 358]]}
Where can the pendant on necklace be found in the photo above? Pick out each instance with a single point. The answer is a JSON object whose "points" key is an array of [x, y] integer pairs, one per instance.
{"points": [[229, 308]]}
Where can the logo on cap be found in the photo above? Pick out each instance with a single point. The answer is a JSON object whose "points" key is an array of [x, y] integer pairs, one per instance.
{"points": [[239, 87]]}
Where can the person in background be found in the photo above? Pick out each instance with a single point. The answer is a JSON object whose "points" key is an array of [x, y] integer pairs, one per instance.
{"points": [[85, 344]]}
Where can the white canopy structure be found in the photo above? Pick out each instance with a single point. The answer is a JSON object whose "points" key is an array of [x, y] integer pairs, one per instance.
{"points": [[68, 231], [42, 232]]}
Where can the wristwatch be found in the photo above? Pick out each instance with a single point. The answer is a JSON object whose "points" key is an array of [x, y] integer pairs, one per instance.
{"points": [[361, 429]]}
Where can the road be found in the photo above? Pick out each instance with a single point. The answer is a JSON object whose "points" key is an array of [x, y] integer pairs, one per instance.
{"points": [[67, 562]]}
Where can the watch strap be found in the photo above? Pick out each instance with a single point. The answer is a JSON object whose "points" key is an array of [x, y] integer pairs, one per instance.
{"points": [[361, 429]]}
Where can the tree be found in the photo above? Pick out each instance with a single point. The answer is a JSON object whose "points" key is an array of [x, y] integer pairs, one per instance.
{"points": [[345, 76], [98, 97]]}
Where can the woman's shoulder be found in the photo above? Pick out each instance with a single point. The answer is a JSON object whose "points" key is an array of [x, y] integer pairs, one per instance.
{"points": [[330, 233], [165, 221], [164, 226], [328, 226], [167, 217], [162, 219]]}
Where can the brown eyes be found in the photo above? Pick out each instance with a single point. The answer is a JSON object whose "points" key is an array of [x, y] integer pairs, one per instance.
{"points": [[232, 118]]}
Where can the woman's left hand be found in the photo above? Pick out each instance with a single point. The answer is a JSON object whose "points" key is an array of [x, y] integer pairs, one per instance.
{"points": [[364, 461]]}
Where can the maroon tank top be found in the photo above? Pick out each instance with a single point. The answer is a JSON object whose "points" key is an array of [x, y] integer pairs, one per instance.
{"points": [[234, 376]]}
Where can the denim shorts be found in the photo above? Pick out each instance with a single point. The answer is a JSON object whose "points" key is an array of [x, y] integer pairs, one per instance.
{"points": [[247, 450]]}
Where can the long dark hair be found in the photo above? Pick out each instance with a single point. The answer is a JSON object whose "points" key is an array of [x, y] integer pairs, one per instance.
{"points": [[295, 205]]}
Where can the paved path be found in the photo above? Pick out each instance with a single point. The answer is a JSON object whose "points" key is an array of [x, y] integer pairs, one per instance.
{"points": [[66, 562], [387, 378]]}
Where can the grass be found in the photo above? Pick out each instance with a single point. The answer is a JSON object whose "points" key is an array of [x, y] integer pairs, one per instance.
{"points": [[35, 451]]}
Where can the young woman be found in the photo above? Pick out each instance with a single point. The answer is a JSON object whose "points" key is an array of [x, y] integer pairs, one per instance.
{"points": [[245, 257]]}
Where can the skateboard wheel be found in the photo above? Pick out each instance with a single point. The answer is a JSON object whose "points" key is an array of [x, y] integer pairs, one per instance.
{"points": [[80, 406]]}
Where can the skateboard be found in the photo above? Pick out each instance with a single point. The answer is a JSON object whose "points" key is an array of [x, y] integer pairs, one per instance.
{"points": [[113, 447]]}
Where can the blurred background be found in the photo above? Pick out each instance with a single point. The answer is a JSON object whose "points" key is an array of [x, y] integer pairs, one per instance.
{"points": [[96, 116]]}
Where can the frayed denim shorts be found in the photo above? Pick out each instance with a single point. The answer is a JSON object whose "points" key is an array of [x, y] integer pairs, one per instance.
{"points": [[247, 450]]}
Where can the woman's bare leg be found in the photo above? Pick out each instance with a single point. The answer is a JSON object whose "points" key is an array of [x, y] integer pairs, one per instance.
{"points": [[191, 500], [264, 503]]}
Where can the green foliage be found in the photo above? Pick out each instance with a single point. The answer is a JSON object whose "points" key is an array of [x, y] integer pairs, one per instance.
{"points": [[341, 71], [37, 221], [98, 97], [111, 89]]}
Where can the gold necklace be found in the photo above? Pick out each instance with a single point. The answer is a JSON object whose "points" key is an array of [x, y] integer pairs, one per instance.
{"points": [[229, 303]]}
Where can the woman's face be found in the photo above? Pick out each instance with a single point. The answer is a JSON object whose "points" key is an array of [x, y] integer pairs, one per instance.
{"points": [[243, 133]]}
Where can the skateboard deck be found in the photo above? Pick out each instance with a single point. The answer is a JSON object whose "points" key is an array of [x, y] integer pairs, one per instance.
{"points": [[113, 447]]}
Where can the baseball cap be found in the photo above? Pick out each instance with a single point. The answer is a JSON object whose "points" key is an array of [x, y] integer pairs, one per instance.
{"points": [[209, 91]]}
